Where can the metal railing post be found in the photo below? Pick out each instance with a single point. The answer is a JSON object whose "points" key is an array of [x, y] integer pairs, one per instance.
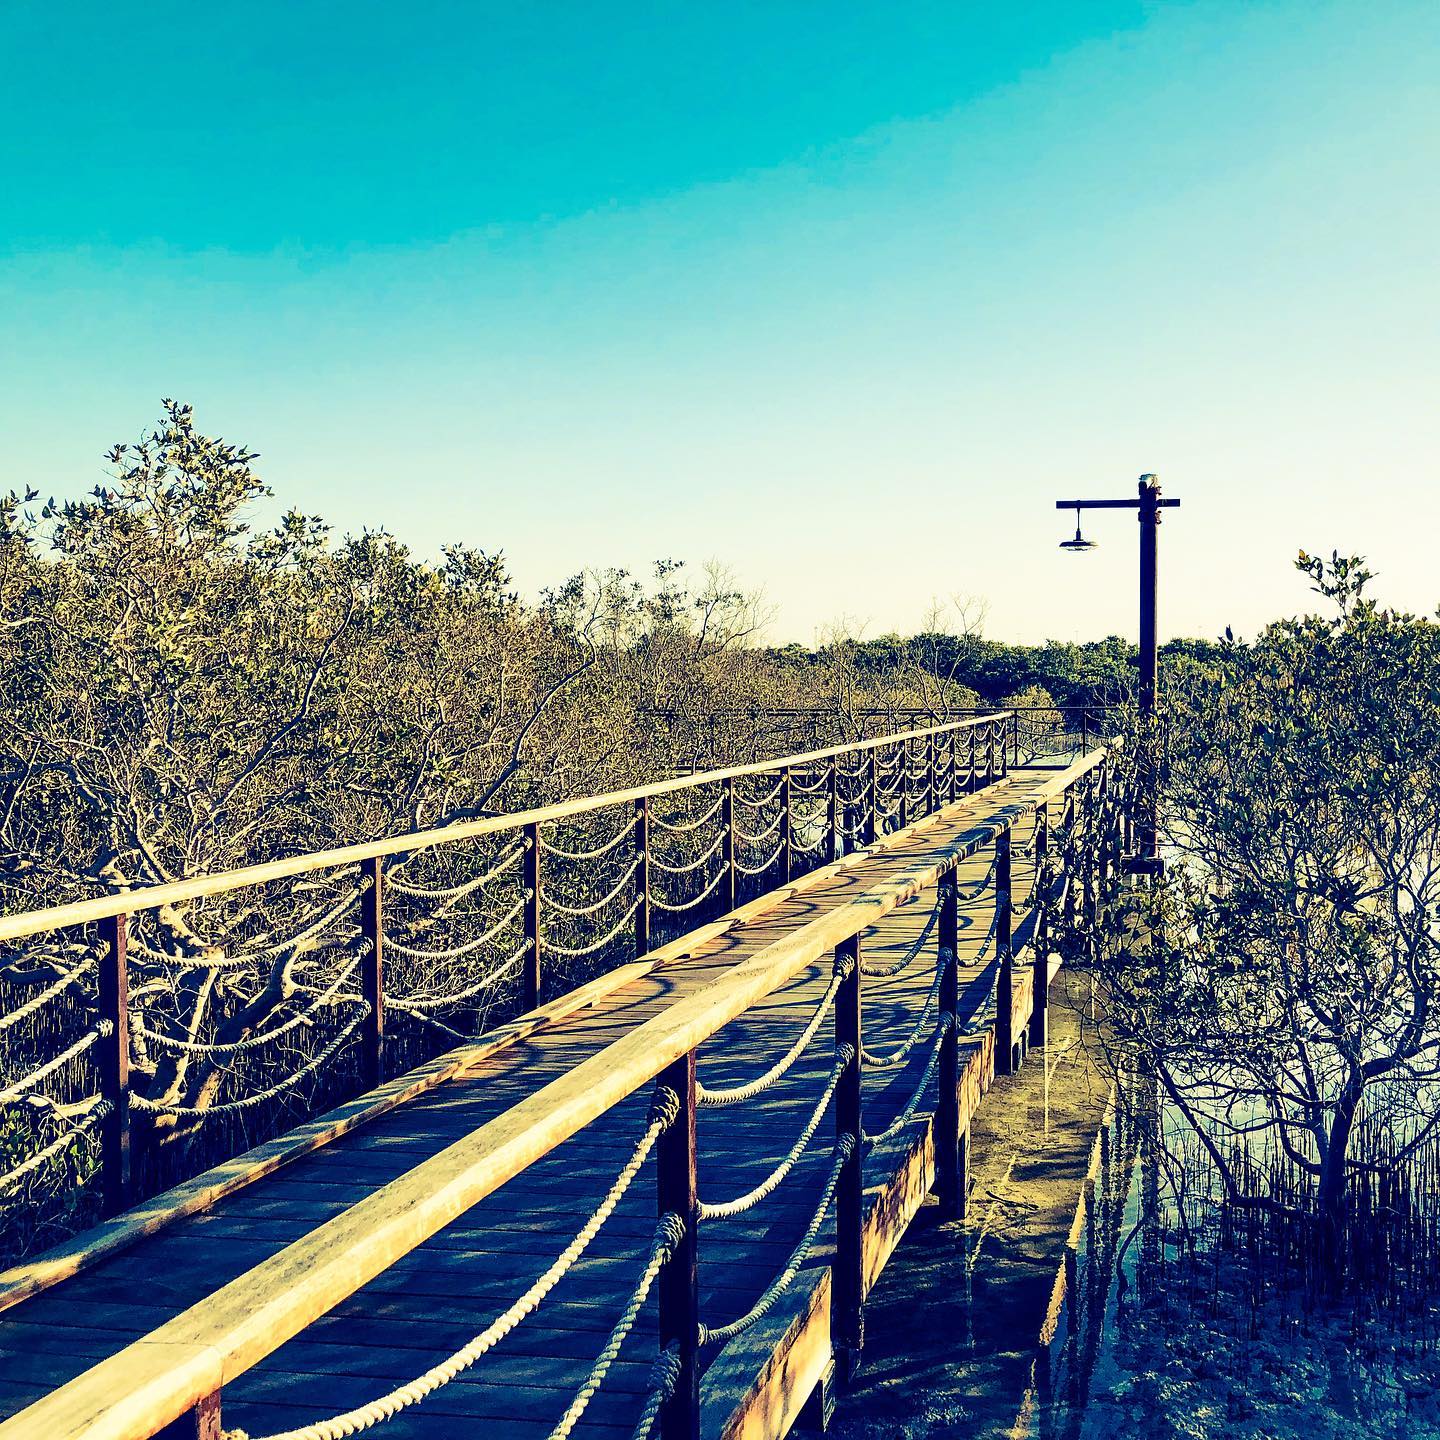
{"points": [[1102, 826], [113, 1061], [727, 846], [950, 1179], [642, 876], [533, 981], [847, 1318], [1088, 858], [787, 824], [678, 1297], [1068, 858], [1040, 940], [904, 772], [832, 810], [372, 973], [1005, 984]]}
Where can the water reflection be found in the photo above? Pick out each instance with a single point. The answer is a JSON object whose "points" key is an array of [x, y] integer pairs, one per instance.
{"points": [[1052, 1312], [996, 1325]]}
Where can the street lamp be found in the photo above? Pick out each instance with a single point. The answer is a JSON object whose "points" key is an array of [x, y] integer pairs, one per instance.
{"points": [[1079, 542], [1149, 504]]}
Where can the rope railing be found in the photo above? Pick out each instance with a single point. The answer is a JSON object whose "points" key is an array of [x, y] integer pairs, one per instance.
{"points": [[680, 907], [216, 959], [764, 865], [95, 1116], [560, 907], [466, 887], [798, 788], [286, 1082], [674, 827], [575, 952], [468, 947], [723, 1334], [737, 1094], [695, 864], [753, 837], [892, 1059], [664, 1110], [912, 1105], [886, 972], [724, 1209], [664, 1374], [613, 843], [757, 802], [258, 1041], [488, 981], [16, 1089], [44, 997]]}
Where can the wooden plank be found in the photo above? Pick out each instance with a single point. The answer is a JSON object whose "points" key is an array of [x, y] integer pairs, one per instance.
{"points": [[758, 1385], [87, 912]]}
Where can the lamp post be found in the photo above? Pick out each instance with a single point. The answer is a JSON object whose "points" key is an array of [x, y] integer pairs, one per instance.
{"points": [[1149, 504]]}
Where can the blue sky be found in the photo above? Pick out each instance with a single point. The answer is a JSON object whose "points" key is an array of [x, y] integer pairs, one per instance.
{"points": [[841, 295]]}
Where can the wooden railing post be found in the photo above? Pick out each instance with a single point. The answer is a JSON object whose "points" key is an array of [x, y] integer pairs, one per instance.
{"points": [[678, 1296], [972, 777], [113, 1062], [952, 764], [787, 827], [832, 810], [932, 787], [847, 1316], [872, 823], [642, 876], [200, 1422], [730, 888], [1005, 984], [372, 975], [950, 1180], [533, 981], [1015, 737], [1040, 939]]}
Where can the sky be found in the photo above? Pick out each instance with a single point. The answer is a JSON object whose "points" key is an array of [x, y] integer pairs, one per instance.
{"points": [[843, 296]]}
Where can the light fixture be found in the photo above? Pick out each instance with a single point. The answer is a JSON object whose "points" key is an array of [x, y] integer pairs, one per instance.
{"points": [[1079, 542]]}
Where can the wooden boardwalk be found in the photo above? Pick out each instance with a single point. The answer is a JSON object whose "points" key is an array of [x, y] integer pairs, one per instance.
{"points": [[56, 1325]]}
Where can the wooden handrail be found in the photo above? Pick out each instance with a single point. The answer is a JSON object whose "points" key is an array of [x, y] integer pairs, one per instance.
{"points": [[134, 1393], [152, 897]]}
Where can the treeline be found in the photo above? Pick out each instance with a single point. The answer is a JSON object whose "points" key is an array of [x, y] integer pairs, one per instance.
{"points": [[179, 694], [973, 669]]}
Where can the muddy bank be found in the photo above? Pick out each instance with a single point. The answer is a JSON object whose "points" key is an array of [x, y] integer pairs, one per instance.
{"points": [[953, 1327]]}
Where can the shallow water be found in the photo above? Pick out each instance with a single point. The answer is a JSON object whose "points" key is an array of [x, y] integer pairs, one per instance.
{"points": [[993, 1326], [1049, 1312]]}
